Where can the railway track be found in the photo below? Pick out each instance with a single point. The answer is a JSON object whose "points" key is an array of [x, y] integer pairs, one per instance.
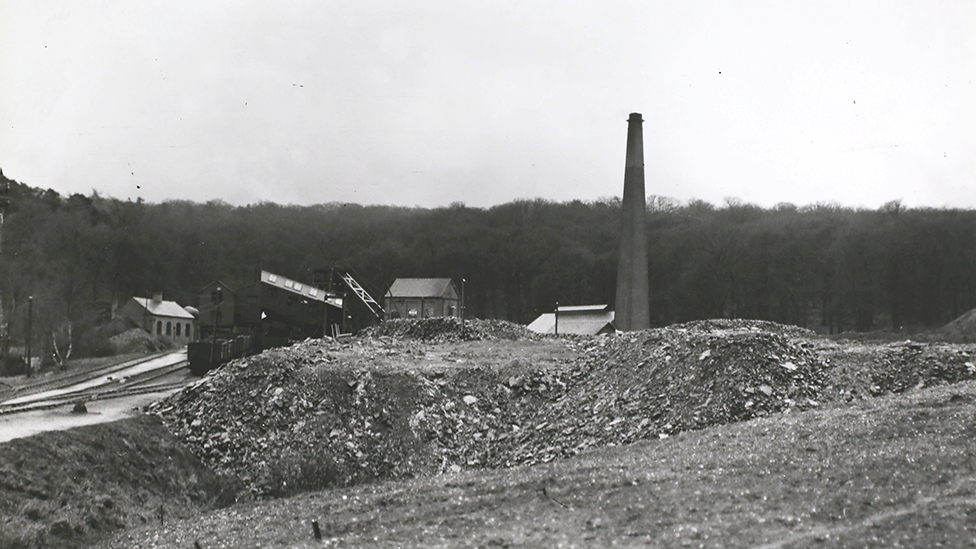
{"points": [[100, 384], [78, 377]]}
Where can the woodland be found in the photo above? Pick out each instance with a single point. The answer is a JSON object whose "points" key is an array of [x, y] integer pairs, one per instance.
{"points": [[823, 266]]}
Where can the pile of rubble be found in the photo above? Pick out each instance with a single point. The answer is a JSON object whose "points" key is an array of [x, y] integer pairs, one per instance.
{"points": [[659, 382], [449, 329], [960, 330], [326, 413], [247, 417], [859, 370]]}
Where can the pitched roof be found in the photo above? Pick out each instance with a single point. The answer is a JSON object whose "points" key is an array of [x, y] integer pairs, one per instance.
{"points": [[163, 308], [587, 321], [419, 287], [219, 283]]}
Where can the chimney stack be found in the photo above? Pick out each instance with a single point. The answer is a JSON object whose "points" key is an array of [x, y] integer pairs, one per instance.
{"points": [[157, 297], [632, 309]]}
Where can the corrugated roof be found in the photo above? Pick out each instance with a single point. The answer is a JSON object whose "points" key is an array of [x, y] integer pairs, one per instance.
{"points": [[583, 308], [419, 287], [587, 322], [163, 308]]}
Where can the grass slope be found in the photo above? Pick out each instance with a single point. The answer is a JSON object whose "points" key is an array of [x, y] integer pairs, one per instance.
{"points": [[68, 488], [892, 471]]}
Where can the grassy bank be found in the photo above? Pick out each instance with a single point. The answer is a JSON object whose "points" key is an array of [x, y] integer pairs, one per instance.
{"points": [[69, 488]]}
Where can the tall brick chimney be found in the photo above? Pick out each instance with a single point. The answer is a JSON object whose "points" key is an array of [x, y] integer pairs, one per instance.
{"points": [[632, 310]]}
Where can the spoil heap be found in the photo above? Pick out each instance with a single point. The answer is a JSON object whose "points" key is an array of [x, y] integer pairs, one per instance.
{"points": [[256, 417], [450, 329], [914, 365], [326, 413], [859, 370], [658, 382], [960, 330]]}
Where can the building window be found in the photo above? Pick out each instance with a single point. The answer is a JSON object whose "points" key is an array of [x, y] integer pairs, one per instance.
{"points": [[289, 284], [178, 325], [313, 292], [169, 328], [298, 287], [189, 332], [272, 278], [159, 327]]}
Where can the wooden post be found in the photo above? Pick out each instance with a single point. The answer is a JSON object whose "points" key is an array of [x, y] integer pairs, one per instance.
{"points": [[30, 320], [216, 312], [315, 530], [557, 318]]}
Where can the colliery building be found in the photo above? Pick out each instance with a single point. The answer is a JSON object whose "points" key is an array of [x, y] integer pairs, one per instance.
{"points": [[422, 298], [272, 306]]}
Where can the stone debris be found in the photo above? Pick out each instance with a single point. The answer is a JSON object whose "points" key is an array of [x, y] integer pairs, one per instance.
{"points": [[329, 413], [640, 386], [450, 329], [860, 370]]}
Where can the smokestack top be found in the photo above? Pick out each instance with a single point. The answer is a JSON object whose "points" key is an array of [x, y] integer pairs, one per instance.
{"points": [[635, 154]]}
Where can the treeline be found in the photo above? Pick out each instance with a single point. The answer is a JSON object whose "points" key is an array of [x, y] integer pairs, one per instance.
{"points": [[825, 267]]}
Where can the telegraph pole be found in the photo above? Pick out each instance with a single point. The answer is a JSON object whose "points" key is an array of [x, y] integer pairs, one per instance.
{"points": [[4, 202], [30, 320], [557, 318], [216, 313]]}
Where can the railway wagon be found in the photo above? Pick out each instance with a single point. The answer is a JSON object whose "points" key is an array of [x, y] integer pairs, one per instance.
{"points": [[204, 356]]}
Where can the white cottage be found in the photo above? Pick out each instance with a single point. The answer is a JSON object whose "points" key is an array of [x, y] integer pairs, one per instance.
{"points": [[166, 319]]}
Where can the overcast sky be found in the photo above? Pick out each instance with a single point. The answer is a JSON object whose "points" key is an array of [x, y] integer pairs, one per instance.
{"points": [[431, 102]]}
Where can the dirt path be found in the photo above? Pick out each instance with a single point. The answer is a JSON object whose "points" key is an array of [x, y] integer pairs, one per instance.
{"points": [[30, 423]]}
